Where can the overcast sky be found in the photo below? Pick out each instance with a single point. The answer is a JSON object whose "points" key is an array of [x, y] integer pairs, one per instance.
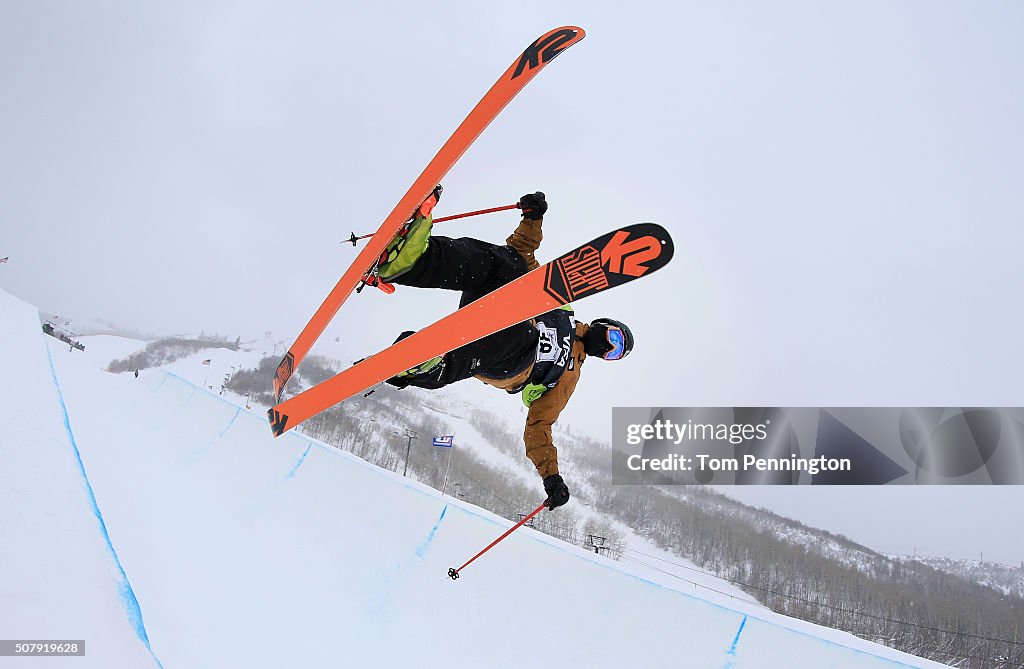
{"points": [[843, 182]]}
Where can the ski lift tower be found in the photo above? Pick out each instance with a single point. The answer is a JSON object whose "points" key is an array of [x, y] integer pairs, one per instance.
{"points": [[520, 516]]}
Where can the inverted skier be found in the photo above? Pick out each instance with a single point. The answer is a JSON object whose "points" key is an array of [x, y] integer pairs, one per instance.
{"points": [[540, 358]]}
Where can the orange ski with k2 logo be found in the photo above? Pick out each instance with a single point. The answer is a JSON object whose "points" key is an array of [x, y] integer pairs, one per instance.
{"points": [[608, 261], [611, 260], [536, 56]]}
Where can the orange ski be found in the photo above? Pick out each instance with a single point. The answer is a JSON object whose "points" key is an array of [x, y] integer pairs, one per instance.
{"points": [[611, 260], [532, 61]]}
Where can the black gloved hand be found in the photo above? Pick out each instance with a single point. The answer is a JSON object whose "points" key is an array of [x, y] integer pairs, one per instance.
{"points": [[533, 206], [558, 492], [407, 333], [399, 381]]}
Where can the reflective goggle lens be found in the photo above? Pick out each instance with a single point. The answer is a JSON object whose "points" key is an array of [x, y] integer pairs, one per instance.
{"points": [[618, 343]]}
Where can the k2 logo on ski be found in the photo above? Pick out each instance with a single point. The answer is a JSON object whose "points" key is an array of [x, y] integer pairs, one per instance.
{"points": [[627, 256], [544, 50]]}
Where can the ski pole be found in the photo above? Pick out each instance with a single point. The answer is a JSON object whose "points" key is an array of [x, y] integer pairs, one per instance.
{"points": [[353, 239], [453, 573]]}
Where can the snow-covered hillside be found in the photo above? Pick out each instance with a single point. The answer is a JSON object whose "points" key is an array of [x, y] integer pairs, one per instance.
{"points": [[243, 550], [1003, 578]]}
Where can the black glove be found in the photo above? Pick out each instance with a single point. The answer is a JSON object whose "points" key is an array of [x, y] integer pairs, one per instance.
{"points": [[558, 492], [399, 381], [533, 206], [407, 333]]}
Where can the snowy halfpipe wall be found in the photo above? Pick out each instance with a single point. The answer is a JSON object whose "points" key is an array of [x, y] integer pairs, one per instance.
{"points": [[249, 551], [60, 577]]}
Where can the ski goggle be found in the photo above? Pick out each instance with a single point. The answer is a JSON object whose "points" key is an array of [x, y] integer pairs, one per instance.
{"points": [[617, 340]]}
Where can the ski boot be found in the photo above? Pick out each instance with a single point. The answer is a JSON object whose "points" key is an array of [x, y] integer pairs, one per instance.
{"points": [[409, 244]]}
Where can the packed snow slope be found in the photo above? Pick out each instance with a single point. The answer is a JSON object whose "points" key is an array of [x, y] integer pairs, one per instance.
{"points": [[247, 551], [60, 577]]}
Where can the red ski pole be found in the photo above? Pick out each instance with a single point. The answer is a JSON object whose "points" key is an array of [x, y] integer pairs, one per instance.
{"points": [[453, 573], [476, 213], [353, 239]]}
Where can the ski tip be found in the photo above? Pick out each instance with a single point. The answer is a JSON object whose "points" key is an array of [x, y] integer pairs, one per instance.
{"points": [[278, 421], [613, 259], [543, 50], [561, 38], [580, 32], [661, 234]]}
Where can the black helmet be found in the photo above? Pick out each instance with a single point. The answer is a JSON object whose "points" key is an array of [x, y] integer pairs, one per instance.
{"points": [[608, 339]]}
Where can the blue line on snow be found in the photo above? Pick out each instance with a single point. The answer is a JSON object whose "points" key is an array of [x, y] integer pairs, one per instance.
{"points": [[421, 550], [232, 422], [128, 598], [731, 661], [372, 469], [299, 463]]}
